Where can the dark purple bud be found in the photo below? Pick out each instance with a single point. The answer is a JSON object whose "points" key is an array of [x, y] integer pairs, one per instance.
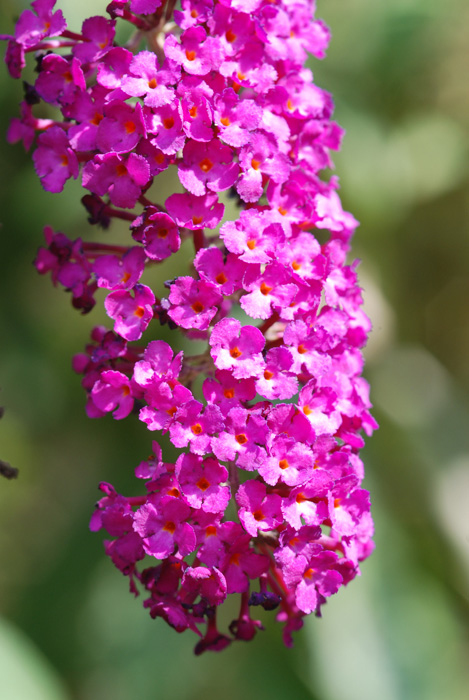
{"points": [[268, 600], [30, 95], [96, 209]]}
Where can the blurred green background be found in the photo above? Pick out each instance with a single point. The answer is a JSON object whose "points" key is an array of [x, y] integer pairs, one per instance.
{"points": [[69, 628]]}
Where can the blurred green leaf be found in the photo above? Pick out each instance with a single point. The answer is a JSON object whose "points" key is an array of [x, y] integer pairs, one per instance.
{"points": [[25, 673]]}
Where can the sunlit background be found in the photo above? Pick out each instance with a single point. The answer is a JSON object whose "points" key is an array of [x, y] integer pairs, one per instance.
{"points": [[69, 628]]}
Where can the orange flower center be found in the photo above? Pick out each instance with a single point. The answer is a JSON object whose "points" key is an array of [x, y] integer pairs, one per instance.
{"points": [[197, 307], [241, 439], [206, 165], [96, 119], [235, 352], [203, 484]]}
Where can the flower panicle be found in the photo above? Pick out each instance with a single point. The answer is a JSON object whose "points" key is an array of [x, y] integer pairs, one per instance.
{"points": [[265, 497]]}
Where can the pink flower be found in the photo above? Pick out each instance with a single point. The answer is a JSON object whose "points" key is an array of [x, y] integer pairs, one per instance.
{"points": [[121, 128], [31, 28], [255, 237], [243, 435], [54, 160], [148, 80], [163, 404], [195, 212], [113, 392], [226, 275], [192, 303], [315, 579], [210, 584], [157, 232], [113, 272], [277, 382], [164, 127], [289, 461], [260, 156], [98, 33], [121, 178], [193, 12], [131, 312], [60, 79], [271, 290], [207, 166], [197, 53], [241, 563], [193, 425], [158, 363], [257, 510], [202, 482], [236, 118], [196, 114], [227, 392], [162, 526], [113, 67], [237, 348]]}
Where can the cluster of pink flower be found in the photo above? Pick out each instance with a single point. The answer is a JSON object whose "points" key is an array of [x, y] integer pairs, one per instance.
{"points": [[223, 94]]}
